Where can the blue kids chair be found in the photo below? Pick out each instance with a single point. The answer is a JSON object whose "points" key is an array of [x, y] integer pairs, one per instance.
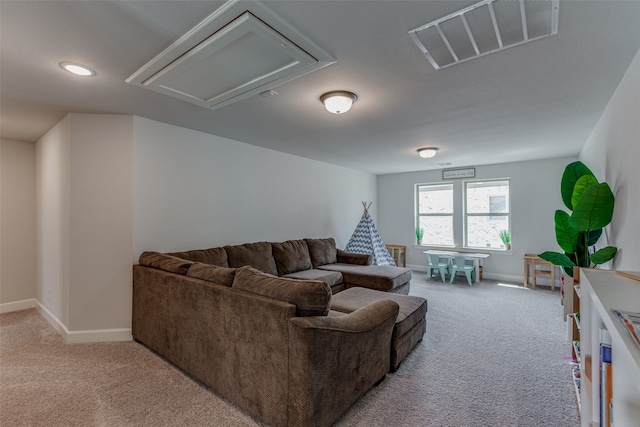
{"points": [[436, 264], [460, 266]]}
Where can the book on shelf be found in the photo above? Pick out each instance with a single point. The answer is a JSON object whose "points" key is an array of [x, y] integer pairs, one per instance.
{"points": [[631, 322], [606, 379]]}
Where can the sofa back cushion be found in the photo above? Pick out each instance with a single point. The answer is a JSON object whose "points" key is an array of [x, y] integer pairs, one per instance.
{"points": [[322, 251], [311, 297], [257, 255], [213, 256], [164, 262], [291, 256], [212, 273]]}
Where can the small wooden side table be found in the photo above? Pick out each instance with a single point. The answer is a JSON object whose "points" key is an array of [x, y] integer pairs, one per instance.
{"points": [[398, 252], [534, 261]]}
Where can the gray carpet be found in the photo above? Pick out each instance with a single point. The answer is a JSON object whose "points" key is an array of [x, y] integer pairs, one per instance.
{"points": [[492, 356]]}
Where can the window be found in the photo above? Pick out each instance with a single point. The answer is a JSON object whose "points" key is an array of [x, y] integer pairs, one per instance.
{"points": [[435, 213], [487, 212]]}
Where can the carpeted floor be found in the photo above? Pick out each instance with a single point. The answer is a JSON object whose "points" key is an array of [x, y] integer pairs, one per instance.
{"points": [[492, 356]]}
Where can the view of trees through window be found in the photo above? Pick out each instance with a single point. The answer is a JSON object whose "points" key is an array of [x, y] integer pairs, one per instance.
{"points": [[435, 214], [486, 213]]}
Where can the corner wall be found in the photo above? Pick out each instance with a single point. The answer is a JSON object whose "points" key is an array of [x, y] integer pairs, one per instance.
{"points": [[84, 226], [612, 152], [17, 225]]}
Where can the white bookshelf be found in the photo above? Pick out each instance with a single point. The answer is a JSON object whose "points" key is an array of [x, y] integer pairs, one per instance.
{"points": [[601, 291]]}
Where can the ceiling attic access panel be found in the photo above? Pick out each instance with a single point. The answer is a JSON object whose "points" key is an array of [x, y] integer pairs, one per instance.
{"points": [[230, 56]]}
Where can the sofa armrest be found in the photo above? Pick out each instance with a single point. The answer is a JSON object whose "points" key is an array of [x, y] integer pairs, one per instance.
{"points": [[335, 360], [354, 258]]}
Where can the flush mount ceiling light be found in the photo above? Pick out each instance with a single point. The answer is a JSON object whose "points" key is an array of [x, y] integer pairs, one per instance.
{"points": [[77, 69], [427, 152], [338, 101]]}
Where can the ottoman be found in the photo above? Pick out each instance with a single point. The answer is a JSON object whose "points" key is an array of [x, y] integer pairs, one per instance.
{"points": [[410, 324]]}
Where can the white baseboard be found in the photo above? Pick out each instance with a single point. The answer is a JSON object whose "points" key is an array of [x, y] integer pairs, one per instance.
{"points": [[417, 267], [17, 305], [77, 337], [99, 335], [70, 337], [52, 319], [485, 275]]}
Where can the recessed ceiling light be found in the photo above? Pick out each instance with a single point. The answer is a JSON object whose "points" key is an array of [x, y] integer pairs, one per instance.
{"points": [[77, 69]]}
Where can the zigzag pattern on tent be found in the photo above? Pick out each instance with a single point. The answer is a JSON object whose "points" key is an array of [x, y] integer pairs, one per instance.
{"points": [[366, 240]]}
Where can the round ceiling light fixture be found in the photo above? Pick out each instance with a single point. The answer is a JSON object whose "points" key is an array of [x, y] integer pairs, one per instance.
{"points": [[427, 152], [77, 69], [338, 101]]}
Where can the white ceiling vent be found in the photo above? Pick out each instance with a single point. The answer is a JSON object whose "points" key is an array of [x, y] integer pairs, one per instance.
{"points": [[241, 50], [485, 27]]}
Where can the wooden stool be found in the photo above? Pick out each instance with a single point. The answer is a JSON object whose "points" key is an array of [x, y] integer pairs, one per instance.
{"points": [[397, 252], [534, 260]]}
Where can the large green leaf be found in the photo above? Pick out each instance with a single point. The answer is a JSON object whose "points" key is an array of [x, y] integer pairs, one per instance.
{"points": [[595, 208], [603, 255], [571, 174], [594, 235], [584, 182], [557, 258], [566, 235]]}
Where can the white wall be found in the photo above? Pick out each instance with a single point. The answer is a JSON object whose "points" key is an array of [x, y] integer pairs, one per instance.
{"points": [[101, 222], [52, 216], [17, 223], [612, 152], [194, 190], [191, 190], [84, 217], [535, 195]]}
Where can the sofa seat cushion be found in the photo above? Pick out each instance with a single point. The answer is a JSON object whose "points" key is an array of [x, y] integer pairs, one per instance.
{"points": [[311, 297], [291, 256], [257, 255], [212, 273], [322, 251], [379, 277], [165, 262], [331, 278]]}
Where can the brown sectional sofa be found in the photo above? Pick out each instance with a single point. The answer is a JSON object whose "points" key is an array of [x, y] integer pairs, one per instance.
{"points": [[310, 259], [261, 330]]}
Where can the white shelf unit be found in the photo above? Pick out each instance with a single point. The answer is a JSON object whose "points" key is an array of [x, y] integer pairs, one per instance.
{"points": [[601, 291], [574, 318]]}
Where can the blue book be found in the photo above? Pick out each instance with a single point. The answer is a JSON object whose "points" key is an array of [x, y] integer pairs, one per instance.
{"points": [[605, 379]]}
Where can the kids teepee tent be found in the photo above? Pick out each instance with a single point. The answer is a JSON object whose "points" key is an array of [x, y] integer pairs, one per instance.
{"points": [[366, 240]]}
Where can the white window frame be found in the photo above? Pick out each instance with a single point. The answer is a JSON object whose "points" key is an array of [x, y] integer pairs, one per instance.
{"points": [[419, 215], [467, 215]]}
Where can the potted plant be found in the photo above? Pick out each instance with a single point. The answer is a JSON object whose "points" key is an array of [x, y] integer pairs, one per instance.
{"points": [[505, 236], [419, 234], [591, 206]]}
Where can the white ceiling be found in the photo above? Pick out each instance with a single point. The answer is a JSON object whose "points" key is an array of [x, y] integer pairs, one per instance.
{"points": [[534, 101]]}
